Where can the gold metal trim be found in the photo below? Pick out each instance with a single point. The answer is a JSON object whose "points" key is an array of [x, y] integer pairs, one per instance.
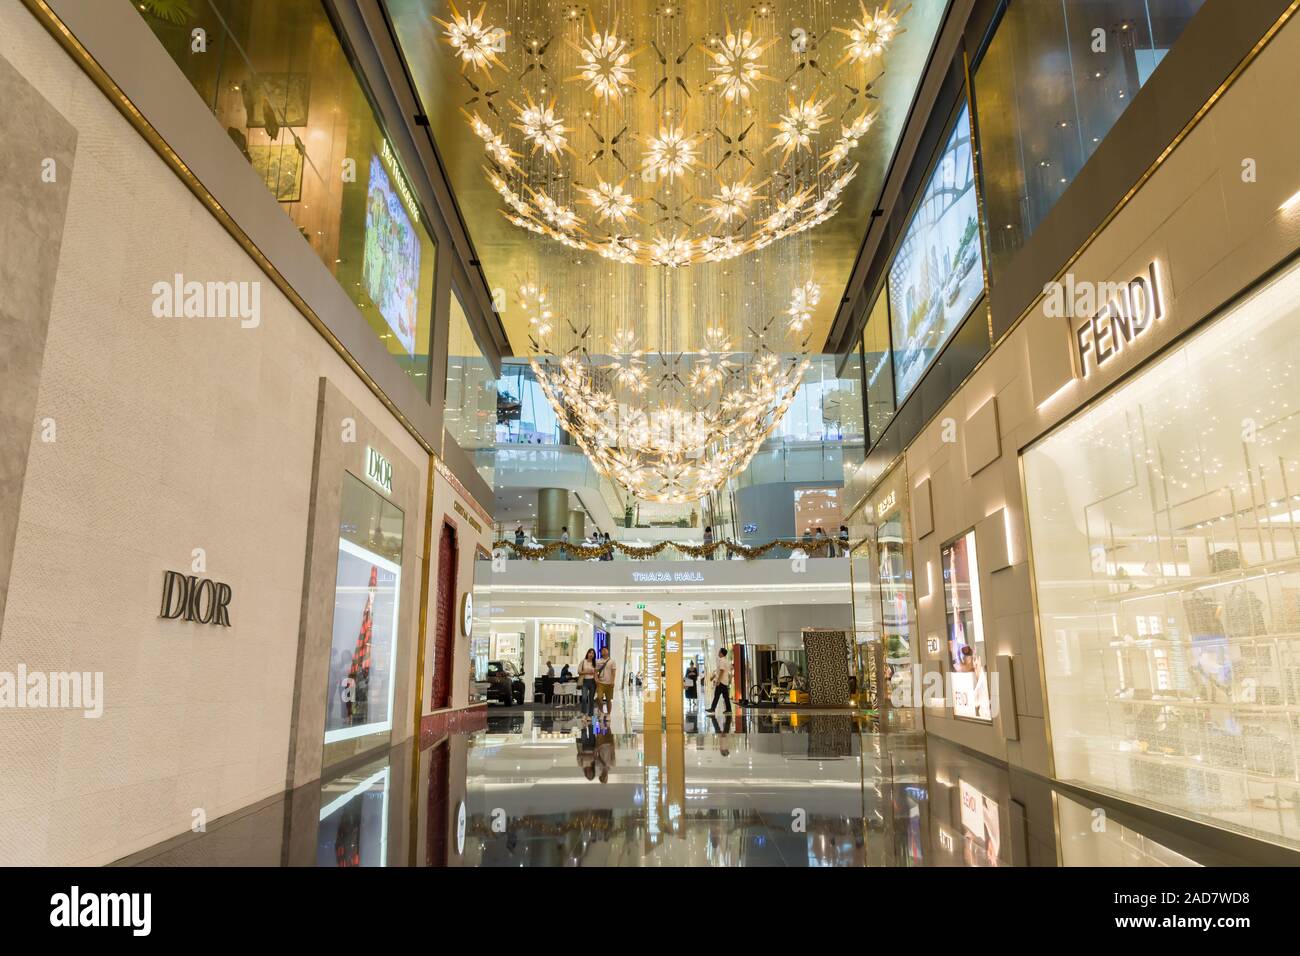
{"points": [[977, 161], [421, 645]]}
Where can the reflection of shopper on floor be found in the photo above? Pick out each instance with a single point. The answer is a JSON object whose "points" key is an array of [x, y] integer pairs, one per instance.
{"points": [[587, 674], [605, 754], [722, 682], [606, 672]]}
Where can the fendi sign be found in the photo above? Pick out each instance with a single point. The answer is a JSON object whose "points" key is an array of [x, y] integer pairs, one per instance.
{"points": [[188, 597], [1120, 313]]}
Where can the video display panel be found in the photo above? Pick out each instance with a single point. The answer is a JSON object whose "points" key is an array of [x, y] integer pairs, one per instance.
{"points": [[363, 650], [938, 272], [391, 266]]}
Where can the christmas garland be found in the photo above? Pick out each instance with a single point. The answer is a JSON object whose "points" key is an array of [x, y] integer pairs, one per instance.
{"points": [[583, 552]]}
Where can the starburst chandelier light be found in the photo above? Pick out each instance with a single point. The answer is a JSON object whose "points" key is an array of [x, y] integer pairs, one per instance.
{"points": [[691, 116], [667, 168]]}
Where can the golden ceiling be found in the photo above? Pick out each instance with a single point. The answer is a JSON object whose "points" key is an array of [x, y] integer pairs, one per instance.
{"points": [[623, 126]]}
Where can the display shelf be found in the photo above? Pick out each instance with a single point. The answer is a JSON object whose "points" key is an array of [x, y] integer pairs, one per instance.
{"points": [[1203, 582], [1184, 762], [1242, 708]]}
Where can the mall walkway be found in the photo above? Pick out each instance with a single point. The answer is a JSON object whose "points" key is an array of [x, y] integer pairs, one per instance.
{"points": [[538, 788]]}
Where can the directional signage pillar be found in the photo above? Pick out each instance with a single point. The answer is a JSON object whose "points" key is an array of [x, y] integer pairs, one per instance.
{"points": [[651, 690], [673, 676]]}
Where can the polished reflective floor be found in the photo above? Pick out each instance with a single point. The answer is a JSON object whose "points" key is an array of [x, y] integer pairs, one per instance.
{"points": [[542, 788]]}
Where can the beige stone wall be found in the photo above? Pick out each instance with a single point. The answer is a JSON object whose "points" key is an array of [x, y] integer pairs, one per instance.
{"points": [[1212, 235], [172, 435]]}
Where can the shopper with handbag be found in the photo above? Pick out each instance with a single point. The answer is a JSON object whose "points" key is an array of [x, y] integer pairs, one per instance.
{"points": [[587, 674]]}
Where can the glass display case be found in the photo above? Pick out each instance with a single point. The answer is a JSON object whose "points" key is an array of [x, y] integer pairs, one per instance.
{"points": [[1165, 535], [884, 607]]}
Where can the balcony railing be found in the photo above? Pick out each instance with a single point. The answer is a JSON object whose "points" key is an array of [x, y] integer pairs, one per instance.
{"points": [[777, 548]]}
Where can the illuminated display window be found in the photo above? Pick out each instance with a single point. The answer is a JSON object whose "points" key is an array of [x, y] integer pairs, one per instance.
{"points": [[1164, 526]]}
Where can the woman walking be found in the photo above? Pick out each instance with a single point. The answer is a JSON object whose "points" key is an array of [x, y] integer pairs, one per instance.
{"points": [[587, 674]]}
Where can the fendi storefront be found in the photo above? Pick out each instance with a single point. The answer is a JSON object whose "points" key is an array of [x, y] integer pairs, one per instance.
{"points": [[1105, 517], [1164, 525]]}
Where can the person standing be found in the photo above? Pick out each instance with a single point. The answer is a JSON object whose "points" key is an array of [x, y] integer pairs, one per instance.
{"points": [[844, 541], [691, 683], [548, 682], [708, 540], [722, 682], [519, 540], [587, 674], [606, 673], [564, 542]]}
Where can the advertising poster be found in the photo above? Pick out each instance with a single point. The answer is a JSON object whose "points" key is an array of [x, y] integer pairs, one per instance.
{"points": [[965, 617], [363, 650], [938, 272], [391, 267]]}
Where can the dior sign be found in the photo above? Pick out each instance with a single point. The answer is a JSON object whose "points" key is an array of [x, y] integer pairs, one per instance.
{"points": [[379, 470], [187, 597]]}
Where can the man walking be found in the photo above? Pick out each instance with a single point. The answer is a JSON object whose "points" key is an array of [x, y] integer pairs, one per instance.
{"points": [[606, 672], [722, 682]]}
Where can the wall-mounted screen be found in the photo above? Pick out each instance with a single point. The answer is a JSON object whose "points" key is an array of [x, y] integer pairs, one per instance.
{"points": [[938, 271], [363, 651], [391, 267], [961, 598]]}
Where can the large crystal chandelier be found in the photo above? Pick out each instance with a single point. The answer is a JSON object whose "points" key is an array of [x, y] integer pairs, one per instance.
{"points": [[634, 139]]}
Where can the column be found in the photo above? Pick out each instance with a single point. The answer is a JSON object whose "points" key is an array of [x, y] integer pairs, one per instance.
{"points": [[577, 526], [552, 514]]}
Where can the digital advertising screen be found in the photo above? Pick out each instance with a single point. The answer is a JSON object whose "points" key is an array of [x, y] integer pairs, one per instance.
{"points": [[938, 272], [965, 617], [363, 650], [390, 269]]}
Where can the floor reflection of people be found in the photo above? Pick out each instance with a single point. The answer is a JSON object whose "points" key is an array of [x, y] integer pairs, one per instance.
{"points": [[723, 732], [587, 752], [606, 754]]}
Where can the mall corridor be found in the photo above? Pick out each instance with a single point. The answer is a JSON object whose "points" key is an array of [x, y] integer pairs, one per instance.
{"points": [[666, 437]]}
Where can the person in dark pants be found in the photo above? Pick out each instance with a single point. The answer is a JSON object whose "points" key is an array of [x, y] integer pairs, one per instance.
{"points": [[587, 674], [722, 682]]}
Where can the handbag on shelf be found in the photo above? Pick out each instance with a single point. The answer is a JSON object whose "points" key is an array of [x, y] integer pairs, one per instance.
{"points": [[1225, 559], [1202, 619], [1289, 618], [1244, 613]]}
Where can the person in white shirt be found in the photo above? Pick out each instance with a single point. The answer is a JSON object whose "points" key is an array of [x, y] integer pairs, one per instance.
{"points": [[722, 682], [606, 674]]}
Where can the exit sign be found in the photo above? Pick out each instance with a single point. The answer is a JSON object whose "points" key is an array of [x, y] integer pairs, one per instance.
{"points": [[640, 607]]}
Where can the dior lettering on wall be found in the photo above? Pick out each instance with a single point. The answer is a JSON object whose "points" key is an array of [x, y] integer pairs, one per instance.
{"points": [[1128, 309], [188, 597], [379, 470]]}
